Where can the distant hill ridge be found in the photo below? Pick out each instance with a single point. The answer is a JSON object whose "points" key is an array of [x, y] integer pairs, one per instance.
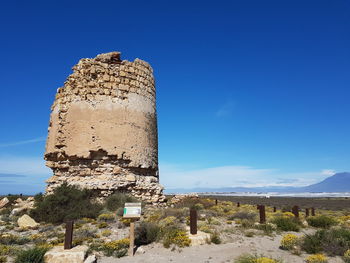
{"points": [[339, 182]]}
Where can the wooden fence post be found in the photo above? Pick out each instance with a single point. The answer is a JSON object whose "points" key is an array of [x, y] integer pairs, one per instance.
{"points": [[274, 209], [216, 201], [262, 214], [69, 235], [307, 212], [313, 213], [193, 222], [295, 211], [238, 204]]}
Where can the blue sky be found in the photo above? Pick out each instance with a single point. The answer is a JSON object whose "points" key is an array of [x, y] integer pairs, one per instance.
{"points": [[248, 92]]}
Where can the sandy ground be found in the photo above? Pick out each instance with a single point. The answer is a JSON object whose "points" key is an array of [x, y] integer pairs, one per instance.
{"points": [[265, 245]]}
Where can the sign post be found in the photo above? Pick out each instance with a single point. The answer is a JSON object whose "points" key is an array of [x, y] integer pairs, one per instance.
{"points": [[132, 211]]}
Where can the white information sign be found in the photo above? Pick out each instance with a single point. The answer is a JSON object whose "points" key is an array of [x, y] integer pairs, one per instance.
{"points": [[132, 210]]}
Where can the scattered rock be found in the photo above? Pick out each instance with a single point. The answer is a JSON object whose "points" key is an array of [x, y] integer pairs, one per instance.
{"points": [[4, 202], [60, 255], [26, 221], [140, 250], [22, 205], [180, 197], [91, 259], [200, 238]]}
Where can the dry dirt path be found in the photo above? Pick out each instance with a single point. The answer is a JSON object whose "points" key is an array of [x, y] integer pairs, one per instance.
{"points": [[268, 246]]}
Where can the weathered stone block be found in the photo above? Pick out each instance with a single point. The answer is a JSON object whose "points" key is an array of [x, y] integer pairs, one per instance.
{"points": [[60, 255], [26, 221]]}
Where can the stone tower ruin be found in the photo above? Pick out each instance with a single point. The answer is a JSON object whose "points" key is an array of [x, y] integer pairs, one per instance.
{"points": [[103, 129]]}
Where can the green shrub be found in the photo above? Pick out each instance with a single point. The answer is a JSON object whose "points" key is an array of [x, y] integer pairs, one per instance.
{"points": [[118, 200], [120, 211], [267, 228], [33, 255], [5, 211], [287, 223], [190, 202], [176, 212], [10, 239], [334, 242], [102, 225], [84, 234], [215, 238], [146, 233], [197, 206], [3, 259], [106, 217], [243, 215], [245, 223], [66, 203], [321, 221], [312, 243]]}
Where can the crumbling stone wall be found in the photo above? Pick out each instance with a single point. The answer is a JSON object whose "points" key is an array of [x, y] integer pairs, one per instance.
{"points": [[103, 129]]}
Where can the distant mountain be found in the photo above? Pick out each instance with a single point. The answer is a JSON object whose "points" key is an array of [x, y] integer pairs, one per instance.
{"points": [[339, 182]]}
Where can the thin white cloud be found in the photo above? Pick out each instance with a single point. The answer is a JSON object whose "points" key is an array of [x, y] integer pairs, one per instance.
{"points": [[23, 165], [172, 176], [327, 172], [225, 110], [39, 139]]}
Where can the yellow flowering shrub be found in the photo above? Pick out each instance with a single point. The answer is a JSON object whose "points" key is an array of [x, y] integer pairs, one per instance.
{"points": [[118, 248], [125, 221], [106, 233], [265, 260], [249, 258], [218, 208], [155, 216], [35, 236], [317, 258], [288, 214], [176, 237], [106, 217], [170, 220], [88, 220], [102, 225], [289, 241], [344, 218], [4, 250], [346, 256]]}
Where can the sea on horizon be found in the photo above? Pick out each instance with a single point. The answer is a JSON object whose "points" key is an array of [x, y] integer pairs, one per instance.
{"points": [[281, 194]]}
